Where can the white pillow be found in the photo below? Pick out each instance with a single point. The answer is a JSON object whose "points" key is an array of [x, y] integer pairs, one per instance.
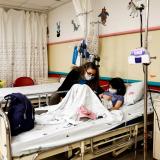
{"points": [[134, 93]]}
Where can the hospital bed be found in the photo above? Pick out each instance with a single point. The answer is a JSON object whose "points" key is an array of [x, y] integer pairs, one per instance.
{"points": [[36, 93], [86, 140]]}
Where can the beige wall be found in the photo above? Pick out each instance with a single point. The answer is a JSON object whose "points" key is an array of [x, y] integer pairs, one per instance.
{"points": [[115, 46], [60, 57], [119, 19], [114, 52]]}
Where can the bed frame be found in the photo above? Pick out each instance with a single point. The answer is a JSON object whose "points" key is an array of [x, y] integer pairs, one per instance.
{"points": [[37, 100], [38, 97], [115, 141]]}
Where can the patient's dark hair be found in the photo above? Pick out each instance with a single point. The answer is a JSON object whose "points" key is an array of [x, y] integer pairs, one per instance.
{"points": [[118, 84]]}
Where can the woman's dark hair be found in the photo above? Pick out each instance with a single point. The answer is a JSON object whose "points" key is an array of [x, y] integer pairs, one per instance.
{"points": [[118, 84]]}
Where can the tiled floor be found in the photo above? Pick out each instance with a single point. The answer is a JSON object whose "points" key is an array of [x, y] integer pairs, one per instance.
{"points": [[129, 154]]}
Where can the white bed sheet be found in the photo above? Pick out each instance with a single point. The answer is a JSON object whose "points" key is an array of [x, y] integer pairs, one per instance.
{"points": [[30, 90], [43, 137]]}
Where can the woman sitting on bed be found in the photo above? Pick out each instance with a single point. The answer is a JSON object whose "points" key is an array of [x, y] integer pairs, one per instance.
{"points": [[113, 99], [86, 74]]}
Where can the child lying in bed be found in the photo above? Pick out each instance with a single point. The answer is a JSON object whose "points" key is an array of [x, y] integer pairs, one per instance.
{"points": [[113, 98], [79, 104]]}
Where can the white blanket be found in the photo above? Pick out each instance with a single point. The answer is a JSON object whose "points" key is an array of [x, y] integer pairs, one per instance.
{"points": [[60, 126], [44, 137], [67, 110]]}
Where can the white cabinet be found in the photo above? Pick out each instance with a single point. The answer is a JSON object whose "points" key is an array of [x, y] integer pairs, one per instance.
{"points": [[156, 135]]}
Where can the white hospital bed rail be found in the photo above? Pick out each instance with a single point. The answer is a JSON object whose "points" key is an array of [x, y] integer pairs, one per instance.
{"points": [[36, 93], [37, 98]]}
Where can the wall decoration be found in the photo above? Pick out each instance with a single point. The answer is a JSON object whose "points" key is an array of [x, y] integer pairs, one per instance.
{"points": [[58, 29], [103, 16], [75, 25], [135, 8]]}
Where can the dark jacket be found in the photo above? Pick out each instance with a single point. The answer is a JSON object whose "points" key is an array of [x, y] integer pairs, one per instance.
{"points": [[74, 77]]}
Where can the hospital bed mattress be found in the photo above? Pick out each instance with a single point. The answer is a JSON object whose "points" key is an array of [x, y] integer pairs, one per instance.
{"points": [[47, 136], [30, 91]]}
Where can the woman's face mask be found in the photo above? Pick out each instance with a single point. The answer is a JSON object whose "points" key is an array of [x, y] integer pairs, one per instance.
{"points": [[89, 74], [113, 91], [88, 77]]}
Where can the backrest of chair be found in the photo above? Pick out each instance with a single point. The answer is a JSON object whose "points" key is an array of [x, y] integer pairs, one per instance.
{"points": [[23, 81]]}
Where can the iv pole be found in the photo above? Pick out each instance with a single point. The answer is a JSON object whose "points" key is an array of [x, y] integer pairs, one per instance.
{"points": [[86, 26], [145, 67], [146, 79]]}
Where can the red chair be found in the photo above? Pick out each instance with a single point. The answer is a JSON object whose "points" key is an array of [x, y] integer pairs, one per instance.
{"points": [[23, 81]]}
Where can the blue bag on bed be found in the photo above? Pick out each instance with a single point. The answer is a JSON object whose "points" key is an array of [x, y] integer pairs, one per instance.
{"points": [[20, 113]]}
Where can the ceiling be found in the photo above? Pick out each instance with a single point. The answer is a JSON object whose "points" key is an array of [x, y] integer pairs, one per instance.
{"points": [[40, 5]]}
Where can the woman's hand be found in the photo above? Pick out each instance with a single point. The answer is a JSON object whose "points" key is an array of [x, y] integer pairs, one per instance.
{"points": [[107, 97], [101, 96]]}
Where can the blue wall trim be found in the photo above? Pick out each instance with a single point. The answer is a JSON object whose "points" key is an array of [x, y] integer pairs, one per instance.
{"points": [[60, 73], [109, 78], [125, 80]]}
